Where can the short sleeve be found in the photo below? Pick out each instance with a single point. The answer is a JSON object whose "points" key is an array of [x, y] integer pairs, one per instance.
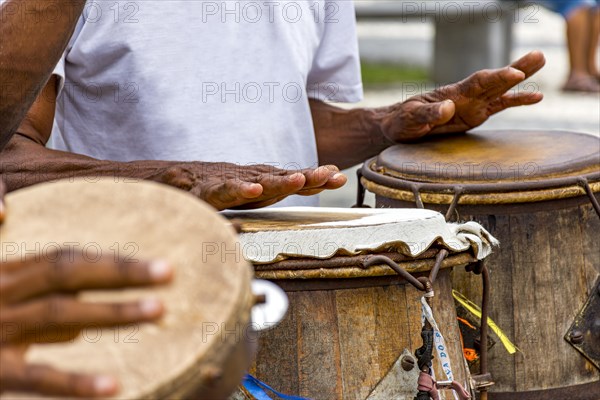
{"points": [[59, 69], [59, 72], [335, 72]]}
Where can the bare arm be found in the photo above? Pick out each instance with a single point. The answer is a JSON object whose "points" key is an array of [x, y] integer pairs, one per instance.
{"points": [[26, 161], [348, 137], [34, 34]]}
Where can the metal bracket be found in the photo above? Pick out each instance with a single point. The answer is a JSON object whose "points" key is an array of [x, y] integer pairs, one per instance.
{"points": [[584, 333]]}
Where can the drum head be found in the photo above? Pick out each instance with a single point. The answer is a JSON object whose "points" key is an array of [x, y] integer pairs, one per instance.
{"points": [[210, 292], [492, 156]]}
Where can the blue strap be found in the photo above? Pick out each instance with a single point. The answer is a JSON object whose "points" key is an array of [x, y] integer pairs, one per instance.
{"points": [[259, 390]]}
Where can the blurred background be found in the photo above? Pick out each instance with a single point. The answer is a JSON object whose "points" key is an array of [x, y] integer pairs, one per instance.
{"points": [[401, 57]]}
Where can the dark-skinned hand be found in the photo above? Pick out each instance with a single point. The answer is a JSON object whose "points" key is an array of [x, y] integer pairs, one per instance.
{"points": [[462, 106], [225, 185]]}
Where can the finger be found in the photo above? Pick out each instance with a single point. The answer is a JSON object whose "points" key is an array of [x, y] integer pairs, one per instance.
{"points": [[336, 181], [42, 334], [231, 192], [494, 83], [514, 100], [530, 63], [69, 272], [281, 186], [266, 188], [2, 193], [49, 381], [65, 312], [426, 116], [310, 192], [318, 177], [259, 204]]}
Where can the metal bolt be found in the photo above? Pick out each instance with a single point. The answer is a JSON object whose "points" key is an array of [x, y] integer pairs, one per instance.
{"points": [[407, 363], [577, 337], [260, 299]]}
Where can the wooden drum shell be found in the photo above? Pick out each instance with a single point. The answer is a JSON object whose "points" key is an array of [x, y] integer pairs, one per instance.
{"points": [[342, 336], [540, 279], [542, 274]]}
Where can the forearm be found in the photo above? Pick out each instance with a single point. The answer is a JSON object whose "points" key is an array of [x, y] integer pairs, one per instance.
{"points": [[24, 163], [347, 137], [34, 34]]}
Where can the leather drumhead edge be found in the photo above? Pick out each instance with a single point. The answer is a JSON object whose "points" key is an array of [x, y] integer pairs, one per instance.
{"points": [[142, 220], [493, 156]]}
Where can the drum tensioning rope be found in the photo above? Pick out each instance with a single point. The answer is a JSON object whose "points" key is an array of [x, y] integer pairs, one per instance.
{"points": [[458, 190], [427, 387]]}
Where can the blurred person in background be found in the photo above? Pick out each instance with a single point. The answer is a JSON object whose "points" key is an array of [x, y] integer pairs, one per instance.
{"points": [[583, 32]]}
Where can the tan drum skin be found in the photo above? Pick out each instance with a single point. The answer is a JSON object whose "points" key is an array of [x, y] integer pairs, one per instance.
{"points": [[188, 354]]}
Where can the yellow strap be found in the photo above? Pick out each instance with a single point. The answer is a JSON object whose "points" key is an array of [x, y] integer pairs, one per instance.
{"points": [[475, 310]]}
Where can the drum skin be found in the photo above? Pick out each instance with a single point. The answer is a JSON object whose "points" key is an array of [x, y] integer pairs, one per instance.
{"points": [[549, 257], [191, 353], [341, 337]]}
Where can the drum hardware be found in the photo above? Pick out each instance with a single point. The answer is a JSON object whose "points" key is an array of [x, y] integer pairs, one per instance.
{"points": [[583, 182], [360, 192], [584, 333], [271, 305], [427, 387], [457, 191], [407, 363], [403, 373], [483, 380]]}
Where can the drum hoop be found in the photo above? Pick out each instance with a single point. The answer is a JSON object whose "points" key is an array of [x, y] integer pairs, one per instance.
{"points": [[478, 193]]}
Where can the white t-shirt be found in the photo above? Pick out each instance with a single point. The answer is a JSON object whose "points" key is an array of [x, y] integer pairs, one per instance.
{"points": [[205, 80]]}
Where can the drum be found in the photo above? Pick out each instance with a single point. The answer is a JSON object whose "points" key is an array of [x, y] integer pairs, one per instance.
{"points": [[353, 324], [203, 345], [537, 193]]}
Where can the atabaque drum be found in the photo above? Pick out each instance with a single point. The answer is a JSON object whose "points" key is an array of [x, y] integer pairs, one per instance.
{"points": [[354, 323], [204, 343], [537, 192]]}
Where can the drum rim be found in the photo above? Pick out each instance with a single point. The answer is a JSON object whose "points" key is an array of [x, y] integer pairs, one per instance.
{"points": [[477, 193]]}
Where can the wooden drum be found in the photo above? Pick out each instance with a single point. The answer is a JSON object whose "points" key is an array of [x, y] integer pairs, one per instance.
{"points": [[351, 330], [202, 346], [537, 192]]}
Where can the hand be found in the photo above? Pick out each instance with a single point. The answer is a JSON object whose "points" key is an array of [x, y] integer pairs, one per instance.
{"points": [[38, 304], [225, 185], [464, 105]]}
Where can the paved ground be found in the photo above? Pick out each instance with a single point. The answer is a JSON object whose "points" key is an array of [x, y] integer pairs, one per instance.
{"points": [[411, 43]]}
